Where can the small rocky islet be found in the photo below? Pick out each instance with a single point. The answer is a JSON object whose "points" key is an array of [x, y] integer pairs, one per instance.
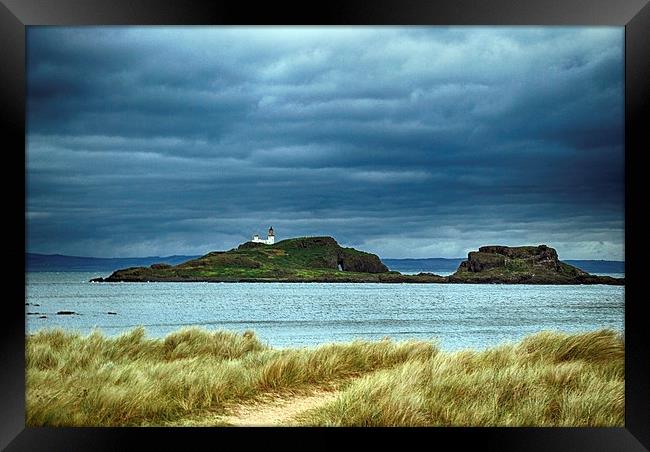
{"points": [[322, 259]]}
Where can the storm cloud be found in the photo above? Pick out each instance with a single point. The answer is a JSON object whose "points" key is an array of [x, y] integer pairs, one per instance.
{"points": [[406, 142]]}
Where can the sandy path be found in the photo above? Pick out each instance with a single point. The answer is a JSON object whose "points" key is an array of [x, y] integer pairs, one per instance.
{"points": [[278, 410]]}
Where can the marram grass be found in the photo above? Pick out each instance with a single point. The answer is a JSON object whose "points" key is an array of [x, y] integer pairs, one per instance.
{"points": [[75, 380], [548, 379]]}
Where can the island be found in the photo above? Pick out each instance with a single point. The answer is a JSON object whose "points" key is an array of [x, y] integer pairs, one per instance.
{"points": [[322, 259]]}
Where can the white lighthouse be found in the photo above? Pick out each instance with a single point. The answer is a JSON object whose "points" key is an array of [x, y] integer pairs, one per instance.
{"points": [[270, 238]]}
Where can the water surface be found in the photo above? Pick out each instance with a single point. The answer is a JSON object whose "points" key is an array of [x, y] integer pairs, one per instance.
{"points": [[305, 314]]}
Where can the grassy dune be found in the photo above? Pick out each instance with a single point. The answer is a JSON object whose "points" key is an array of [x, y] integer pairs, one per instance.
{"points": [[74, 380], [547, 379]]}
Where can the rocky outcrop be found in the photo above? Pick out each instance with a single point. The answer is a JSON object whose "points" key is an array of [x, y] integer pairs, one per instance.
{"points": [[522, 265], [478, 261], [535, 255], [488, 257], [327, 253], [357, 261]]}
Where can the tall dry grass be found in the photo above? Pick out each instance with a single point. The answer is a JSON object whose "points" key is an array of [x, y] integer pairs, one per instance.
{"points": [[548, 379], [75, 380]]}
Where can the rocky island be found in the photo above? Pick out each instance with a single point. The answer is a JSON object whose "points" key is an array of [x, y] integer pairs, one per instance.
{"points": [[322, 259], [523, 265]]}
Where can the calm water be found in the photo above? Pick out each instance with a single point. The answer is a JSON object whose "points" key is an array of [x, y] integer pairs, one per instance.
{"points": [[459, 316]]}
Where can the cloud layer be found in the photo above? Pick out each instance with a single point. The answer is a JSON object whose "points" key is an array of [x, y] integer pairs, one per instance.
{"points": [[407, 142]]}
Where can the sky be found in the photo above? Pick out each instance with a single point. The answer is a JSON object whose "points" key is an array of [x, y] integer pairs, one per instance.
{"points": [[401, 141]]}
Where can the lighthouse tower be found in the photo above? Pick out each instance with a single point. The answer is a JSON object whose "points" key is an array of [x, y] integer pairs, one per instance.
{"points": [[270, 239]]}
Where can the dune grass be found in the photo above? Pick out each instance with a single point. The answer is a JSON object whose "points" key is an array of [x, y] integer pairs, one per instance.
{"points": [[75, 380], [547, 379]]}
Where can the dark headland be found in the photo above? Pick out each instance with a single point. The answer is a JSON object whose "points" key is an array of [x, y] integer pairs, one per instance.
{"points": [[322, 259]]}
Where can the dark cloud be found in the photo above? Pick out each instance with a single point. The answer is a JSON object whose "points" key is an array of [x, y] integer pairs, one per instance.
{"points": [[408, 142]]}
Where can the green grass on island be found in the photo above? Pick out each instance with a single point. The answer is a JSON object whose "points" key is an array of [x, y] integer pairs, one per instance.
{"points": [[322, 259], [299, 259], [192, 377]]}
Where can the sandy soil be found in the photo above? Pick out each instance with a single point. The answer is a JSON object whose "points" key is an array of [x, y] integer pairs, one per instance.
{"points": [[278, 410]]}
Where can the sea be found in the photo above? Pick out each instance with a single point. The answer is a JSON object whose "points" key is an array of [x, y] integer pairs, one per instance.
{"points": [[456, 316]]}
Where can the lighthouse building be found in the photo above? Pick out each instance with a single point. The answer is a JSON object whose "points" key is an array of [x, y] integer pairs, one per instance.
{"points": [[270, 238]]}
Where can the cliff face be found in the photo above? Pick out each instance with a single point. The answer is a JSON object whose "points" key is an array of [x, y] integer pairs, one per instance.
{"points": [[522, 265], [357, 261], [488, 257], [535, 255]]}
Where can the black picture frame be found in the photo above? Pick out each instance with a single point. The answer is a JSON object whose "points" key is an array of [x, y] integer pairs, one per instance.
{"points": [[15, 15]]}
